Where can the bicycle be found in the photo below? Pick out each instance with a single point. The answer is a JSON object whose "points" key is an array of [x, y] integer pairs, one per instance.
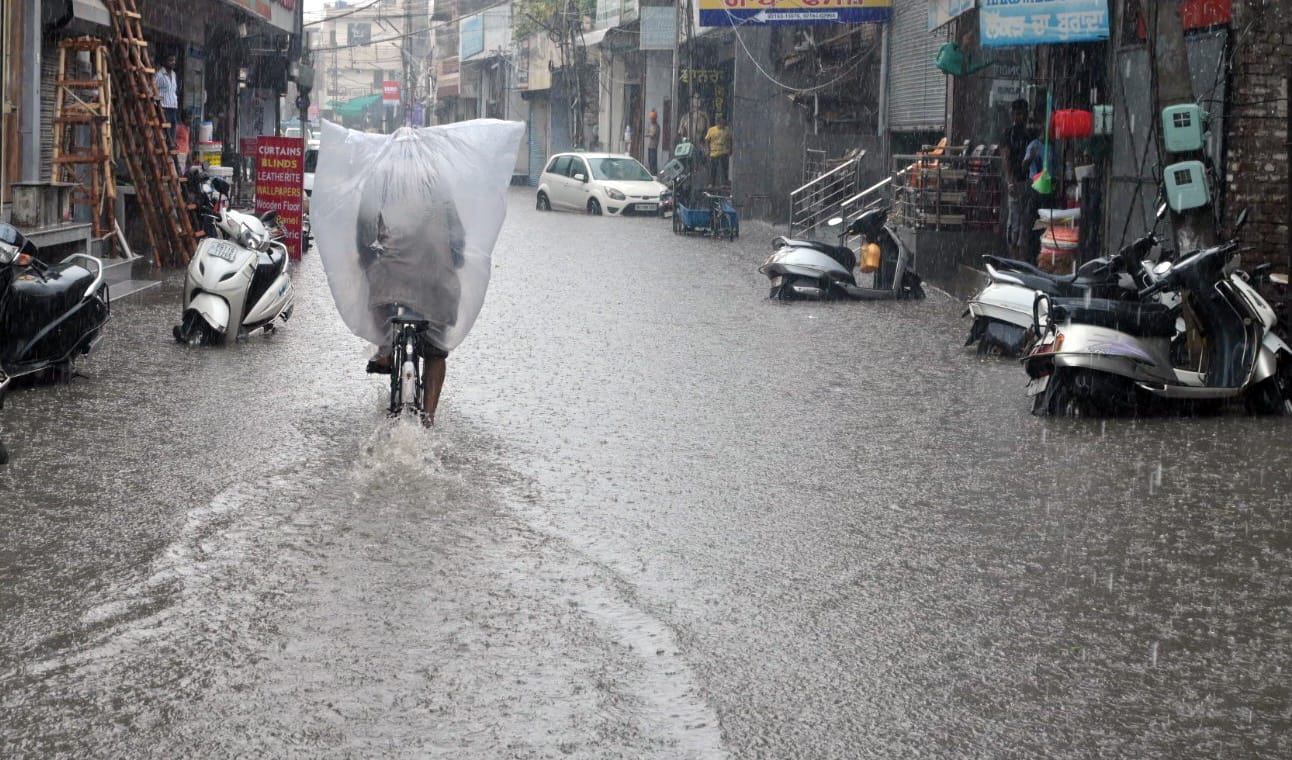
{"points": [[407, 365], [720, 225]]}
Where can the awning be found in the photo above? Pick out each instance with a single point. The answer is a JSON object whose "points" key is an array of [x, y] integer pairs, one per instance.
{"points": [[357, 106]]}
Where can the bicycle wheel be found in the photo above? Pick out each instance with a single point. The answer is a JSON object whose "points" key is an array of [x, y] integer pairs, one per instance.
{"points": [[715, 220], [396, 375]]}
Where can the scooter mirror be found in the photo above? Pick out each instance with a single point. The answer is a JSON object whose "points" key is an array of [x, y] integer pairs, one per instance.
{"points": [[220, 185], [834, 221]]}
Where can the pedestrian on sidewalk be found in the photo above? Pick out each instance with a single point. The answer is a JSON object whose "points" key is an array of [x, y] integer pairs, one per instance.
{"points": [[1013, 145], [168, 96], [718, 141], [182, 144]]}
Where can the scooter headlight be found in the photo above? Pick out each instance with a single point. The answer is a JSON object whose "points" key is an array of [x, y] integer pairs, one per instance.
{"points": [[7, 253]]}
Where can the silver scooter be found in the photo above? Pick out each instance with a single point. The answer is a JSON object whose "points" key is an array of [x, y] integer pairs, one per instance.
{"points": [[1101, 357], [1002, 310], [236, 284], [816, 270]]}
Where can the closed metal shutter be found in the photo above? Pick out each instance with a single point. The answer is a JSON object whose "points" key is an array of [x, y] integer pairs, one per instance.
{"points": [[917, 90]]}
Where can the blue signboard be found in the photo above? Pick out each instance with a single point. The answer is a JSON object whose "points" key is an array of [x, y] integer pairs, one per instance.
{"points": [[1004, 23], [794, 12]]}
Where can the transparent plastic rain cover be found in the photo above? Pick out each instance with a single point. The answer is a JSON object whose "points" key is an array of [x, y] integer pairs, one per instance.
{"points": [[411, 219]]}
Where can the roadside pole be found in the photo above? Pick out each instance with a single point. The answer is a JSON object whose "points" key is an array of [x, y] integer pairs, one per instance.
{"points": [[1194, 228]]}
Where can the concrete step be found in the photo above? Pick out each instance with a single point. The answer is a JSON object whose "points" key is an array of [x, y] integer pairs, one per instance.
{"points": [[121, 278]]}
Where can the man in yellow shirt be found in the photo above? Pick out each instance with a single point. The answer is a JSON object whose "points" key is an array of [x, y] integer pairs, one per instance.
{"points": [[718, 140]]}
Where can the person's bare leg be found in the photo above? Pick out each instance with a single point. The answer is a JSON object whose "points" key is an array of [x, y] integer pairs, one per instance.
{"points": [[435, 371]]}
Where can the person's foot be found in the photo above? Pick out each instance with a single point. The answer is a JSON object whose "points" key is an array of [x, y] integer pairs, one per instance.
{"points": [[379, 366], [428, 420]]}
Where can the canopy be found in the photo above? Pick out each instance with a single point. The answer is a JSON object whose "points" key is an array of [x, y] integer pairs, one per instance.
{"points": [[357, 106]]}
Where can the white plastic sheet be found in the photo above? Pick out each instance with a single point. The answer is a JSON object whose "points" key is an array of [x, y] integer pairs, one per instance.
{"points": [[411, 218]]}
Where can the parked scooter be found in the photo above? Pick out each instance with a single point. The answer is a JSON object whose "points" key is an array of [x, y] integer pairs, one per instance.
{"points": [[49, 315], [237, 282], [815, 270], [1002, 311], [1113, 357]]}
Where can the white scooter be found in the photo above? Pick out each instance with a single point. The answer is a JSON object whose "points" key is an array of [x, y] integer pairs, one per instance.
{"points": [[237, 282], [815, 270], [1110, 357]]}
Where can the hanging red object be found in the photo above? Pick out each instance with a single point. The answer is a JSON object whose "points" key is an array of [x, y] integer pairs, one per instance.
{"points": [[1072, 123]]}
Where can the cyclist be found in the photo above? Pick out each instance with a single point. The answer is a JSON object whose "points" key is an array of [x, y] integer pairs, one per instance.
{"points": [[411, 242]]}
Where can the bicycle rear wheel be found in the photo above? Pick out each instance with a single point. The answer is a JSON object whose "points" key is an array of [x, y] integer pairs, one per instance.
{"points": [[396, 375]]}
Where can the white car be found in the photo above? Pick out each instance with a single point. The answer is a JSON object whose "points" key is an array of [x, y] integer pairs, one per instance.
{"points": [[311, 161], [610, 183]]}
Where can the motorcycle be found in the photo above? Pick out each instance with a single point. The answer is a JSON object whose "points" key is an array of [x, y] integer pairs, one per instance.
{"points": [[49, 314], [1114, 357], [816, 270], [237, 282], [1002, 310]]}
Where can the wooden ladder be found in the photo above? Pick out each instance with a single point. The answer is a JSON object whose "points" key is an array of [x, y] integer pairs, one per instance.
{"points": [[83, 131], [141, 127]]}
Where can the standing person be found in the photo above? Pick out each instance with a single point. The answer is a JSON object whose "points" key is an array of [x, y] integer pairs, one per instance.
{"points": [[718, 142], [168, 96], [1013, 145], [652, 143], [628, 138], [694, 124]]}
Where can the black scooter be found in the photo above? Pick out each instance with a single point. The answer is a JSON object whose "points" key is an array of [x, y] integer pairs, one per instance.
{"points": [[49, 314]]}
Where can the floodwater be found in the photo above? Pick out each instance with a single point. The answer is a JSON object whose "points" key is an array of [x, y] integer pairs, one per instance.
{"points": [[660, 516]]}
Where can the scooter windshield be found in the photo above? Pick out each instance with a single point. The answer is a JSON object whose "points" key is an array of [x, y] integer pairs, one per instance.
{"points": [[410, 219]]}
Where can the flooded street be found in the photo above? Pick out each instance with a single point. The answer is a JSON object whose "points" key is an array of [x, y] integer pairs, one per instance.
{"points": [[660, 516]]}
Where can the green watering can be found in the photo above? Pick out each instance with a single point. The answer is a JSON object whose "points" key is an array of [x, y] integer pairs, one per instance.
{"points": [[951, 60]]}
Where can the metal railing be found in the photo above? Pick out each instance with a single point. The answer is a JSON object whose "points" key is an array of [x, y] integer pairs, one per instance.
{"points": [[818, 200]]}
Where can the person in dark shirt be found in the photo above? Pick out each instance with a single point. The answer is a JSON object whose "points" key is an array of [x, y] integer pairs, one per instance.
{"points": [[1013, 146]]}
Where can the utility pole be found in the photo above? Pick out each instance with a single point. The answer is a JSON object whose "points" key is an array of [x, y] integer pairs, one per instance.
{"points": [[1194, 228]]}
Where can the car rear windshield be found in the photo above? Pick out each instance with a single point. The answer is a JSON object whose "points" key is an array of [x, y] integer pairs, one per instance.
{"points": [[619, 168]]}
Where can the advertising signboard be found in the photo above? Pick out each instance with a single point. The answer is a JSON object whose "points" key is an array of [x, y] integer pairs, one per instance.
{"points": [[390, 93], [1002, 23], [794, 12], [280, 185]]}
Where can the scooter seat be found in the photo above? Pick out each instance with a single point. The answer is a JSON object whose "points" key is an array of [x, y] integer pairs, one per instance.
{"points": [[1014, 265], [1146, 320], [42, 299], [840, 253]]}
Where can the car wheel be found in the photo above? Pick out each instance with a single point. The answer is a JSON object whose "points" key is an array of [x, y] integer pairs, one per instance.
{"points": [[543, 204], [594, 207]]}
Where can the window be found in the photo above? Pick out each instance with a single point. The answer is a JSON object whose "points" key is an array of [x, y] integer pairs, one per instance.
{"points": [[577, 166], [560, 165]]}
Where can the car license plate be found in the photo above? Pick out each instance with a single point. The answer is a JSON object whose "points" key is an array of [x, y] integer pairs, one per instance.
{"points": [[1036, 386], [223, 249], [647, 206]]}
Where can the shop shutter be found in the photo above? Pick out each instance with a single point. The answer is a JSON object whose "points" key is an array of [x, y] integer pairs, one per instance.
{"points": [[917, 90]]}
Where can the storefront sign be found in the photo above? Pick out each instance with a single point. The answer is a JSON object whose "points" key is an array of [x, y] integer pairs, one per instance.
{"points": [[280, 185], [793, 12], [941, 12], [1002, 23], [390, 93]]}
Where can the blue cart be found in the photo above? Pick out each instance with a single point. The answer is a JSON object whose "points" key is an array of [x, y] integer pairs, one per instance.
{"points": [[700, 221]]}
